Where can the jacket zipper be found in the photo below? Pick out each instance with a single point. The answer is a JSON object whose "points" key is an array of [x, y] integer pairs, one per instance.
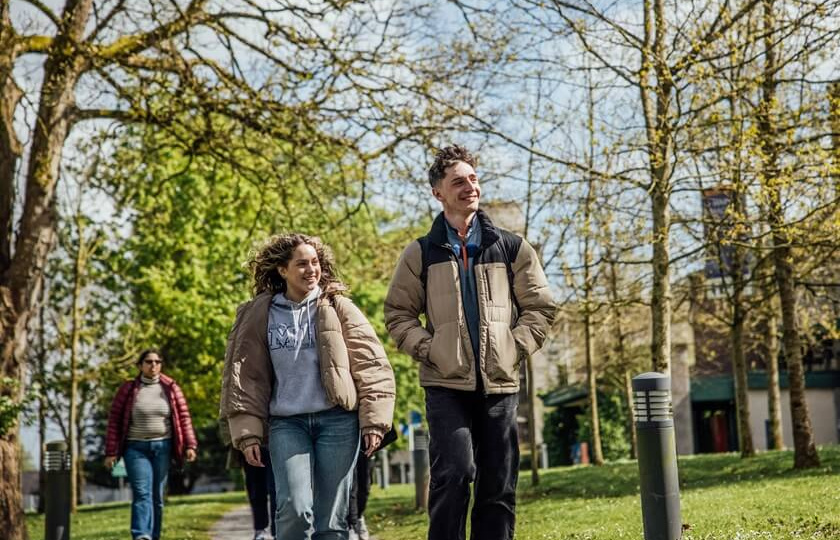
{"points": [[487, 283]]}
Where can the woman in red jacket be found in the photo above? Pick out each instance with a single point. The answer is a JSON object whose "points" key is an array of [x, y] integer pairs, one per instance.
{"points": [[149, 425]]}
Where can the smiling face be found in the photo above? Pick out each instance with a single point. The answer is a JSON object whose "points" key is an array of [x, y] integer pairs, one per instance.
{"points": [[458, 190], [302, 273], [151, 365]]}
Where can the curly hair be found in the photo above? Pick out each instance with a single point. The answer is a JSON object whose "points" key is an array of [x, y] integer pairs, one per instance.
{"points": [[277, 251], [445, 158]]}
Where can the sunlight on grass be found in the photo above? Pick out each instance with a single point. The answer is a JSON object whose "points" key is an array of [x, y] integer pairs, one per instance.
{"points": [[184, 518], [723, 498]]}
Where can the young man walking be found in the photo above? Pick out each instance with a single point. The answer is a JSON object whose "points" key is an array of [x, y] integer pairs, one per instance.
{"points": [[487, 306]]}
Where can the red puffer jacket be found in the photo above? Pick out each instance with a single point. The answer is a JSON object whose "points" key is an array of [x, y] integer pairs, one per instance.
{"points": [[183, 436]]}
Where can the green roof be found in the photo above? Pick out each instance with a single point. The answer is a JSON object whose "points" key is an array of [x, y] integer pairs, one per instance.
{"points": [[707, 388], [564, 395], [722, 388]]}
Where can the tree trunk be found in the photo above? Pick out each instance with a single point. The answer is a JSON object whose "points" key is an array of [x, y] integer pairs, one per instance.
{"points": [[11, 502], [660, 301], [529, 365], [657, 114], [804, 449], [42, 398], [631, 415], [75, 315], [591, 376], [834, 117], [12, 329], [10, 147], [774, 394], [80, 461], [771, 351], [731, 236], [742, 402], [597, 453], [20, 277], [532, 421], [621, 354]]}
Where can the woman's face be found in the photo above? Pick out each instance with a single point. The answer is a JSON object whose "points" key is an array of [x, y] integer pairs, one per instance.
{"points": [[150, 365], [302, 273]]}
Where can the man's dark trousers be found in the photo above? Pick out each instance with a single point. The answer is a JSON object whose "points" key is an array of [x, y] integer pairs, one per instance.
{"points": [[473, 437]]}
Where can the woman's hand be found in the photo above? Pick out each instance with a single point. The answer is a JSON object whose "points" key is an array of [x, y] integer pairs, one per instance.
{"points": [[253, 455], [110, 461], [372, 442], [190, 454]]}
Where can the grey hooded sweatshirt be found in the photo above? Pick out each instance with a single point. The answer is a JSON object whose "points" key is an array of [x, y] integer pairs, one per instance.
{"points": [[292, 342]]}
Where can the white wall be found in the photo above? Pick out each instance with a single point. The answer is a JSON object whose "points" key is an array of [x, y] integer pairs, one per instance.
{"points": [[822, 409]]}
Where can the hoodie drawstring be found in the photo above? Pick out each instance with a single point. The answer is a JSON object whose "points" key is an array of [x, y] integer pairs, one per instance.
{"points": [[308, 323]]}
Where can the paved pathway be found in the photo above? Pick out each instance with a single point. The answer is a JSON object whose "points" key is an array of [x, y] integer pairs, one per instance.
{"points": [[236, 525]]}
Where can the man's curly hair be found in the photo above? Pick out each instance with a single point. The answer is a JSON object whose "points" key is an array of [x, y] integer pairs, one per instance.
{"points": [[277, 251], [445, 158]]}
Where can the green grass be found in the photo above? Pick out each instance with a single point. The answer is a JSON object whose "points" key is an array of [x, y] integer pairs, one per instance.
{"points": [[722, 497], [184, 518]]}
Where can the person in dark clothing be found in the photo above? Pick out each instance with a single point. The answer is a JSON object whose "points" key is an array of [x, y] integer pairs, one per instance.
{"points": [[359, 498], [259, 484]]}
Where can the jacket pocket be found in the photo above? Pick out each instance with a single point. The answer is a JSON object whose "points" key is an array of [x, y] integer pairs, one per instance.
{"points": [[445, 354], [496, 284], [503, 358]]}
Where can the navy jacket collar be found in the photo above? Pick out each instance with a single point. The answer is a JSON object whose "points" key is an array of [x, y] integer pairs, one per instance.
{"points": [[489, 233]]}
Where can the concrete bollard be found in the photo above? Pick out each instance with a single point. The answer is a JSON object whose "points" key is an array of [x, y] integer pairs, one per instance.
{"points": [[57, 495], [403, 473], [420, 458], [660, 488], [385, 478]]}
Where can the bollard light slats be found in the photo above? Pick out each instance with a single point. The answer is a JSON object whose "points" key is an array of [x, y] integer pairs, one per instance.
{"points": [[56, 461], [653, 406]]}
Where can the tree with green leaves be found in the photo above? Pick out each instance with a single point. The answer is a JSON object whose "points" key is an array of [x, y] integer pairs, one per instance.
{"points": [[178, 268], [277, 69]]}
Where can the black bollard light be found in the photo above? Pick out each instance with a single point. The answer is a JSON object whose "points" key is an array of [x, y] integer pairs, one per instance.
{"points": [[57, 492], [657, 449], [420, 458]]}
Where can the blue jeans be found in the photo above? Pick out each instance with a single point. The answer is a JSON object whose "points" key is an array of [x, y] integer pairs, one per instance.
{"points": [[313, 457], [147, 465]]}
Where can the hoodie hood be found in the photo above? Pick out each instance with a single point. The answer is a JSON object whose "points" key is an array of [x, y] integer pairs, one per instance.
{"points": [[280, 299]]}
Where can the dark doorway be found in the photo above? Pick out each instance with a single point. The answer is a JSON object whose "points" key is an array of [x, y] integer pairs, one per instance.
{"points": [[715, 428]]}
